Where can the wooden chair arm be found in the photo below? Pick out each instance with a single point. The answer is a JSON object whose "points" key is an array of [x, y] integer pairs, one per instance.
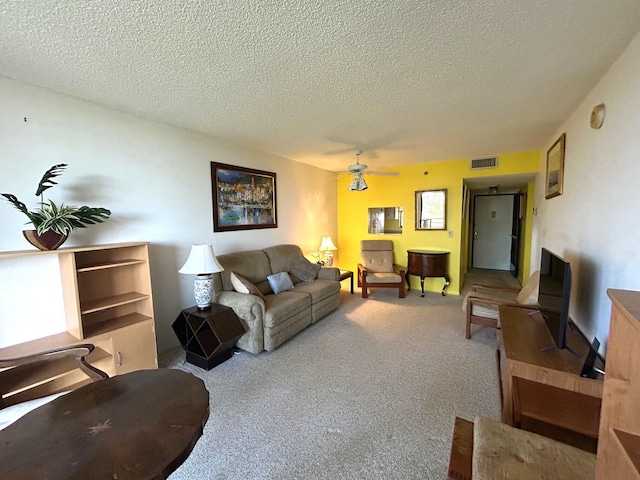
{"points": [[77, 352], [487, 302], [400, 270], [477, 286], [362, 274], [461, 457]]}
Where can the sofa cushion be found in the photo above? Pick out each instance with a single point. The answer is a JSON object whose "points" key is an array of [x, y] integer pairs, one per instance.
{"points": [[318, 290], [282, 258], [373, 277], [281, 308], [242, 285], [251, 264], [305, 270], [502, 451], [280, 282]]}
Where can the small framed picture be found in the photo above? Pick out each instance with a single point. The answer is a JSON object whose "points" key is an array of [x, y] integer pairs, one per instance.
{"points": [[243, 198], [555, 168]]}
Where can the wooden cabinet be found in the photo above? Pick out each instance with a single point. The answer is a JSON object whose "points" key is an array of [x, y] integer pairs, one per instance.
{"points": [[542, 390], [107, 301], [427, 263], [619, 444], [128, 355]]}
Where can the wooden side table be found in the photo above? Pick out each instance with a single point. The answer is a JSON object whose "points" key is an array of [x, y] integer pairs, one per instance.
{"points": [[344, 274], [427, 263], [208, 336], [139, 425]]}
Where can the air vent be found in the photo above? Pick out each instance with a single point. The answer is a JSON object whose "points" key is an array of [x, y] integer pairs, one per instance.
{"points": [[487, 162]]}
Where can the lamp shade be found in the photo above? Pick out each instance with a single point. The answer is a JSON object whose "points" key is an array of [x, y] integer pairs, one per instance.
{"points": [[201, 260], [326, 244]]}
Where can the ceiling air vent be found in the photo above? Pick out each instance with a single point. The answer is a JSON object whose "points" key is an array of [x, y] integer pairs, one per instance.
{"points": [[487, 162]]}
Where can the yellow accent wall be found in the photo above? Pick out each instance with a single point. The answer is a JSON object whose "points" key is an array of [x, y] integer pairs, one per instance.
{"points": [[399, 191]]}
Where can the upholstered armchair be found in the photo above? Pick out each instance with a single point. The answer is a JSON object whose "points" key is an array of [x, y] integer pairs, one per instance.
{"points": [[377, 269], [481, 303]]}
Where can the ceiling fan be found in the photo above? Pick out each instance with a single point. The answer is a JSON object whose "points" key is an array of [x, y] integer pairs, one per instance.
{"points": [[358, 169]]}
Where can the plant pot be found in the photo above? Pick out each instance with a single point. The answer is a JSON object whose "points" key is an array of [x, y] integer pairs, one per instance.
{"points": [[49, 240]]}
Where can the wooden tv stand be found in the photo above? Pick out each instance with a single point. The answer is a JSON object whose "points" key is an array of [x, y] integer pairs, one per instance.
{"points": [[544, 388]]}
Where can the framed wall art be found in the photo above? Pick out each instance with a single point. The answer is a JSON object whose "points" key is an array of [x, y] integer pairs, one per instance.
{"points": [[555, 168], [243, 198]]}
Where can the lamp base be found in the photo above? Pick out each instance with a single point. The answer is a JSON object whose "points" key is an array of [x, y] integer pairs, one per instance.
{"points": [[202, 291], [328, 259]]}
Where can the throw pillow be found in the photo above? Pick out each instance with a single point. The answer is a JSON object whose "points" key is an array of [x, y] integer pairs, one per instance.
{"points": [[305, 270], [280, 282], [242, 285]]}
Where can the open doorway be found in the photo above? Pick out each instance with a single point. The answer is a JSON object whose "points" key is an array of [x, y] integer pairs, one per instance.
{"points": [[496, 232], [514, 247]]}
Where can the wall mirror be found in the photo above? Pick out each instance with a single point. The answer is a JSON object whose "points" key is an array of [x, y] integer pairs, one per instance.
{"points": [[386, 220], [431, 209]]}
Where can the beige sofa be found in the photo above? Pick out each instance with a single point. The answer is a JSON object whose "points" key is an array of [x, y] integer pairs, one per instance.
{"points": [[271, 319]]}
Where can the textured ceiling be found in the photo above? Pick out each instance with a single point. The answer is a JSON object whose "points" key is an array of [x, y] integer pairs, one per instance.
{"points": [[405, 81]]}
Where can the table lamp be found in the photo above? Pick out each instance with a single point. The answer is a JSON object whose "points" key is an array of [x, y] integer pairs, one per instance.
{"points": [[202, 263], [327, 246]]}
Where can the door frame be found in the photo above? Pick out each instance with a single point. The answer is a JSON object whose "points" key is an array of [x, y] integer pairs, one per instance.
{"points": [[516, 224]]}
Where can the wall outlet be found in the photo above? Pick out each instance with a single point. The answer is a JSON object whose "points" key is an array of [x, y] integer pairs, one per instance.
{"points": [[450, 233]]}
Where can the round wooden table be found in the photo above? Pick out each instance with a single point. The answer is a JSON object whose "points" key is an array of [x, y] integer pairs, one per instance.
{"points": [[141, 425]]}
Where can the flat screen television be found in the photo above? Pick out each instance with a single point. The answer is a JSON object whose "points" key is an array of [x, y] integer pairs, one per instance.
{"points": [[554, 294]]}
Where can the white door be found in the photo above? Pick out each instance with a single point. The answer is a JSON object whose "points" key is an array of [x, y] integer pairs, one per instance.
{"points": [[493, 219]]}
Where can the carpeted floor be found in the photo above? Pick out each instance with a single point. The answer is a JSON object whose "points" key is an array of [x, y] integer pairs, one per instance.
{"points": [[368, 392]]}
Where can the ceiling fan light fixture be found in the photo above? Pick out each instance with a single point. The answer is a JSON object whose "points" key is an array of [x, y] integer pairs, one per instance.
{"points": [[358, 184]]}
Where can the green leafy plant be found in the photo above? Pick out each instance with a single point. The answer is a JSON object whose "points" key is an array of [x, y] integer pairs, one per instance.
{"points": [[62, 218]]}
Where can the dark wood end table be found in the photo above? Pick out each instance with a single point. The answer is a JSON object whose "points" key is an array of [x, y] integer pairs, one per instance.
{"points": [[208, 336], [344, 274], [140, 425]]}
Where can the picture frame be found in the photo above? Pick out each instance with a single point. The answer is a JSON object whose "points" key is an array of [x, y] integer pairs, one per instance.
{"points": [[243, 198], [431, 209], [555, 168]]}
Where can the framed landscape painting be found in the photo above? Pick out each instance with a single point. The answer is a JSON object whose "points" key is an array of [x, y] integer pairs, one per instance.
{"points": [[243, 198], [555, 168]]}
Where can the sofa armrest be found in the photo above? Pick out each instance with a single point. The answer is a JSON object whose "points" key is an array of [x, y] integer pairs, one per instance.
{"points": [[329, 273], [250, 309]]}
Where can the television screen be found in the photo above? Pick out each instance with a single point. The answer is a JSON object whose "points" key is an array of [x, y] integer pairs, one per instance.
{"points": [[554, 294]]}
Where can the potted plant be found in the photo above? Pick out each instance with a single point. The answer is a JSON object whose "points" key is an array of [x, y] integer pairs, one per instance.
{"points": [[52, 222]]}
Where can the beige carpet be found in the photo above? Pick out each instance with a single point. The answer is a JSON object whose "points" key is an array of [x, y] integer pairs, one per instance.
{"points": [[368, 392]]}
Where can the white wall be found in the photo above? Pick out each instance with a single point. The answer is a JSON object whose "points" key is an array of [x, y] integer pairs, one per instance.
{"points": [[155, 179], [595, 223]]}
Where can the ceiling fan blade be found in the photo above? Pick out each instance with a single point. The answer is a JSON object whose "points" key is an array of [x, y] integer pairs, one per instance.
{"points": [[339, 151], [386, 174]]}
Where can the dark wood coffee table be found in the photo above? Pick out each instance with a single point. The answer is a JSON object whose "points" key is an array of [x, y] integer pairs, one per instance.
{"points": [[141, 425]]}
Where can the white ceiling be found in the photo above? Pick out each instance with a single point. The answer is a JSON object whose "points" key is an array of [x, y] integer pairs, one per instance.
{"points": [[406, 81]]}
